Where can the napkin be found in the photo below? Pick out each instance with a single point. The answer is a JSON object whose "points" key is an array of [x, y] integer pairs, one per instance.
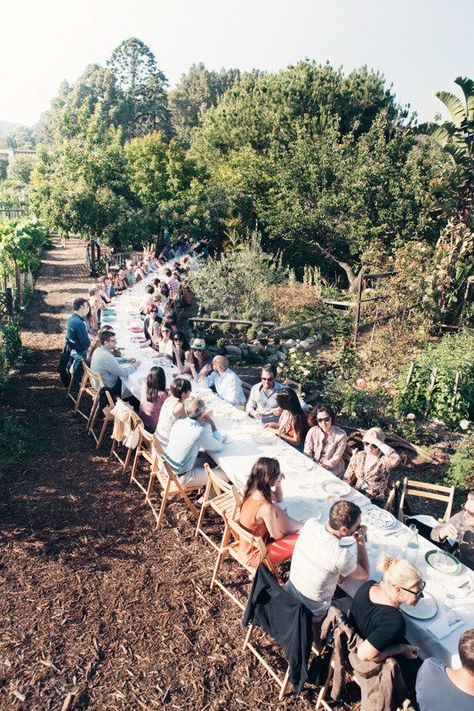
{"points": [[446, 624]]}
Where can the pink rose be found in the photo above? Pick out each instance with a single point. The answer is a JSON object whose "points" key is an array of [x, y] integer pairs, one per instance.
{"points": [[361, 383], [393, 392], [388, 385]]}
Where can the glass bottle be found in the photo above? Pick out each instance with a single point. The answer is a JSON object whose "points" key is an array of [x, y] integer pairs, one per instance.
{"points": [[413, 544]]}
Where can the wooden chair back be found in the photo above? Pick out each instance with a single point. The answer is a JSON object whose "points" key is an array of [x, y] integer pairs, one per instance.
{"points": [[91, 385], [426, 490], [226, 500], [108, 418]]}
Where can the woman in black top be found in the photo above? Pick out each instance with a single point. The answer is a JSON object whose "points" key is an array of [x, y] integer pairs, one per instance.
{"points": [[378, 619]]}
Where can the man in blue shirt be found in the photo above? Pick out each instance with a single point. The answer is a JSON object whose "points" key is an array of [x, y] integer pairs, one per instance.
{"points": [[77, 337], [108, 288], [196, 431]]}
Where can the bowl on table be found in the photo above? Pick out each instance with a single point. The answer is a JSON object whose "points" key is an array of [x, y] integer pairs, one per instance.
{"points": [[264, 437]]}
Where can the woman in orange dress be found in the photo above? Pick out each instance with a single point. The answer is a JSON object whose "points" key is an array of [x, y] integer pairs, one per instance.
{"points": [[261, 516]]}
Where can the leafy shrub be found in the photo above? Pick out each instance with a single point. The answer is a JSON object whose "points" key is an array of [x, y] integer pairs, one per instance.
{"points": [[453, 354], [301, 367], [460, 471], [10, 345], [236, 283], [363, 407]]}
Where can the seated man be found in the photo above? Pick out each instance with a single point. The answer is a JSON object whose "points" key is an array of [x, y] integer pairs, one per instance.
{"points": [[189, 435], [225, 381], [106, 364], [262, 402], [108, 289], [319, 561], [459, 529], [439, 687]]}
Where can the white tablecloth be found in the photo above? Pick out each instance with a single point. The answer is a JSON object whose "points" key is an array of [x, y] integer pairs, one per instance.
{"points": [[303, 480]]}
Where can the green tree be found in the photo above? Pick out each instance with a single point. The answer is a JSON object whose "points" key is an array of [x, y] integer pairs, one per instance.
{"points": [[452, 198], [20, 168], [134, 68], [3, 168], [195, 93]]}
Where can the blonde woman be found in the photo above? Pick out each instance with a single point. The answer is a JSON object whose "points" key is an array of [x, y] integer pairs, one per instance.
{"points": [[378, 619]]}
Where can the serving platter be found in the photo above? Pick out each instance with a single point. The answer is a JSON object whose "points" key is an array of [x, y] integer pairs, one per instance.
{"points": [[425, 609], [335, 487], [443, 562]]}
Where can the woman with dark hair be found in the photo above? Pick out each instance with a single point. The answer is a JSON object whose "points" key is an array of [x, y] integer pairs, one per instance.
{"points": [[152, 322], [173, 408], [153, 395], [325, 443], [261, 515], [180, 348], [163, 343], [292, 425]]}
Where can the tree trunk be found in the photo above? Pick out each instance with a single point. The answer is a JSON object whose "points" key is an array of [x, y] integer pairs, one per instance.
{"points": [[351, 276]]}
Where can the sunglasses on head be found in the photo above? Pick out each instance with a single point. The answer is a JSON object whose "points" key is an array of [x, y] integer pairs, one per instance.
{"points": [[324, 419]]}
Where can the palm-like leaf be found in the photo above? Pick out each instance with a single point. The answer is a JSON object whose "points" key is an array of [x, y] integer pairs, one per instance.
{"points": [[467, 85], [439, 133], [454, 106]]}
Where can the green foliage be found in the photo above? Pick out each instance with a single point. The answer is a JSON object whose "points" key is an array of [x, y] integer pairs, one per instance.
{"points": [[362, 407], [21, 242], [3, 168], [303, 368], [19, 169], [11, 348], [236, 283], [460, 471], [453, 354]]}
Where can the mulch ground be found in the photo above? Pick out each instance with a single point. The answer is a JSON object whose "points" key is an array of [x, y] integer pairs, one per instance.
{"points": [[98, 611]]}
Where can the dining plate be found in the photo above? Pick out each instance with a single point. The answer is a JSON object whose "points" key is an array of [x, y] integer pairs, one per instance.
{"points": [[376, 517], [443, 562], [264, 438], [425, 609], [334, 487]]}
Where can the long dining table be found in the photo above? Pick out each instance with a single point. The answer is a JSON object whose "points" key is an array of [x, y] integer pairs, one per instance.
{"points": [[309, 490]]}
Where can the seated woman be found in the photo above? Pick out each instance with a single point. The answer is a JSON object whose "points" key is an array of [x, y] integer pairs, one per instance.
{"points": [[180, 348], [376, 613], [261, 515], [151, 324], [147, 299], [292, 425], [369, 469], [172, 408], [96, 304], [325, 443], [196, 358], [163, 342], [153, 395]]}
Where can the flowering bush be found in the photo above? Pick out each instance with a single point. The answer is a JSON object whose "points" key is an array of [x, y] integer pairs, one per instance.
{"points": [[303, 368]]}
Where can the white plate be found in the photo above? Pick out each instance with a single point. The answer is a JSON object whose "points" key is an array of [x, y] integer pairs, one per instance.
{"points": [[264, 438], [425, 609], [376, 517], [334, 487]]}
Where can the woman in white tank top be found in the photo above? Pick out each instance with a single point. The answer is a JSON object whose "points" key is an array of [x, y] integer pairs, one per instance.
{"points": [[172, 408]]}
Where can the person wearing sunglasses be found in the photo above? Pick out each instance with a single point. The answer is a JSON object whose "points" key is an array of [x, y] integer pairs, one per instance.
{"points": [[164, 343], [460, 531], [325, 443], [369, 470], [376, 614], [262, 403]]}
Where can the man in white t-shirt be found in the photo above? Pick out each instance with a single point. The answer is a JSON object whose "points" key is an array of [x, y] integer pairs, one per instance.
{"points": [[319, 561]]}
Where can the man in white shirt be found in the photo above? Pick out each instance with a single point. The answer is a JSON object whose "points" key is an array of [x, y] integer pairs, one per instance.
{"points": [[319, 561], [106, 364], [225, 381]]}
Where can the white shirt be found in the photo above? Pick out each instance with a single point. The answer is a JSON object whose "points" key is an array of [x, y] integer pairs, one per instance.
{"points": [[228, 386], [317, 563], [166, 419]]}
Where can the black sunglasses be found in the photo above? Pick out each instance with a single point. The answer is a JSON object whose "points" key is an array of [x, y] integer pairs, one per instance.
{"points": [[418, 594], [324, 419]]}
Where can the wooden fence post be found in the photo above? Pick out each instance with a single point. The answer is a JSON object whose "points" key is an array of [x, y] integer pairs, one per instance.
{"points": [[455, 390], [434, 372], [358, 302]]}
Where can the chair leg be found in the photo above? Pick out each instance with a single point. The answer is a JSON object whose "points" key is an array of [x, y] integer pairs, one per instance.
{"points": [[106, 421], [135, 464], [92, 413], [324, 689], [127, 460], [203, 508], [247, 637], [163, 505], [220, 556], [79, 397], [284, 684]]}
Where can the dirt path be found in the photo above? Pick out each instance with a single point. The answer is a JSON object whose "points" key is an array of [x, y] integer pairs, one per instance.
{"points": [[97, 610]]}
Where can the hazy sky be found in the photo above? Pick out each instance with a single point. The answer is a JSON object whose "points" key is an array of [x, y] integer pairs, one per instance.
{"points": [[419, 45]]}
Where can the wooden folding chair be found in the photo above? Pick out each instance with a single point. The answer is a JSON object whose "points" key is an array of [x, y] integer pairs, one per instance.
{"points": [[135, 422], [394, 486], [427, 491], [231, 547], [161, 473], [145, 450], [226, 500], [281, 681], [91, 385], [108, 418]]}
